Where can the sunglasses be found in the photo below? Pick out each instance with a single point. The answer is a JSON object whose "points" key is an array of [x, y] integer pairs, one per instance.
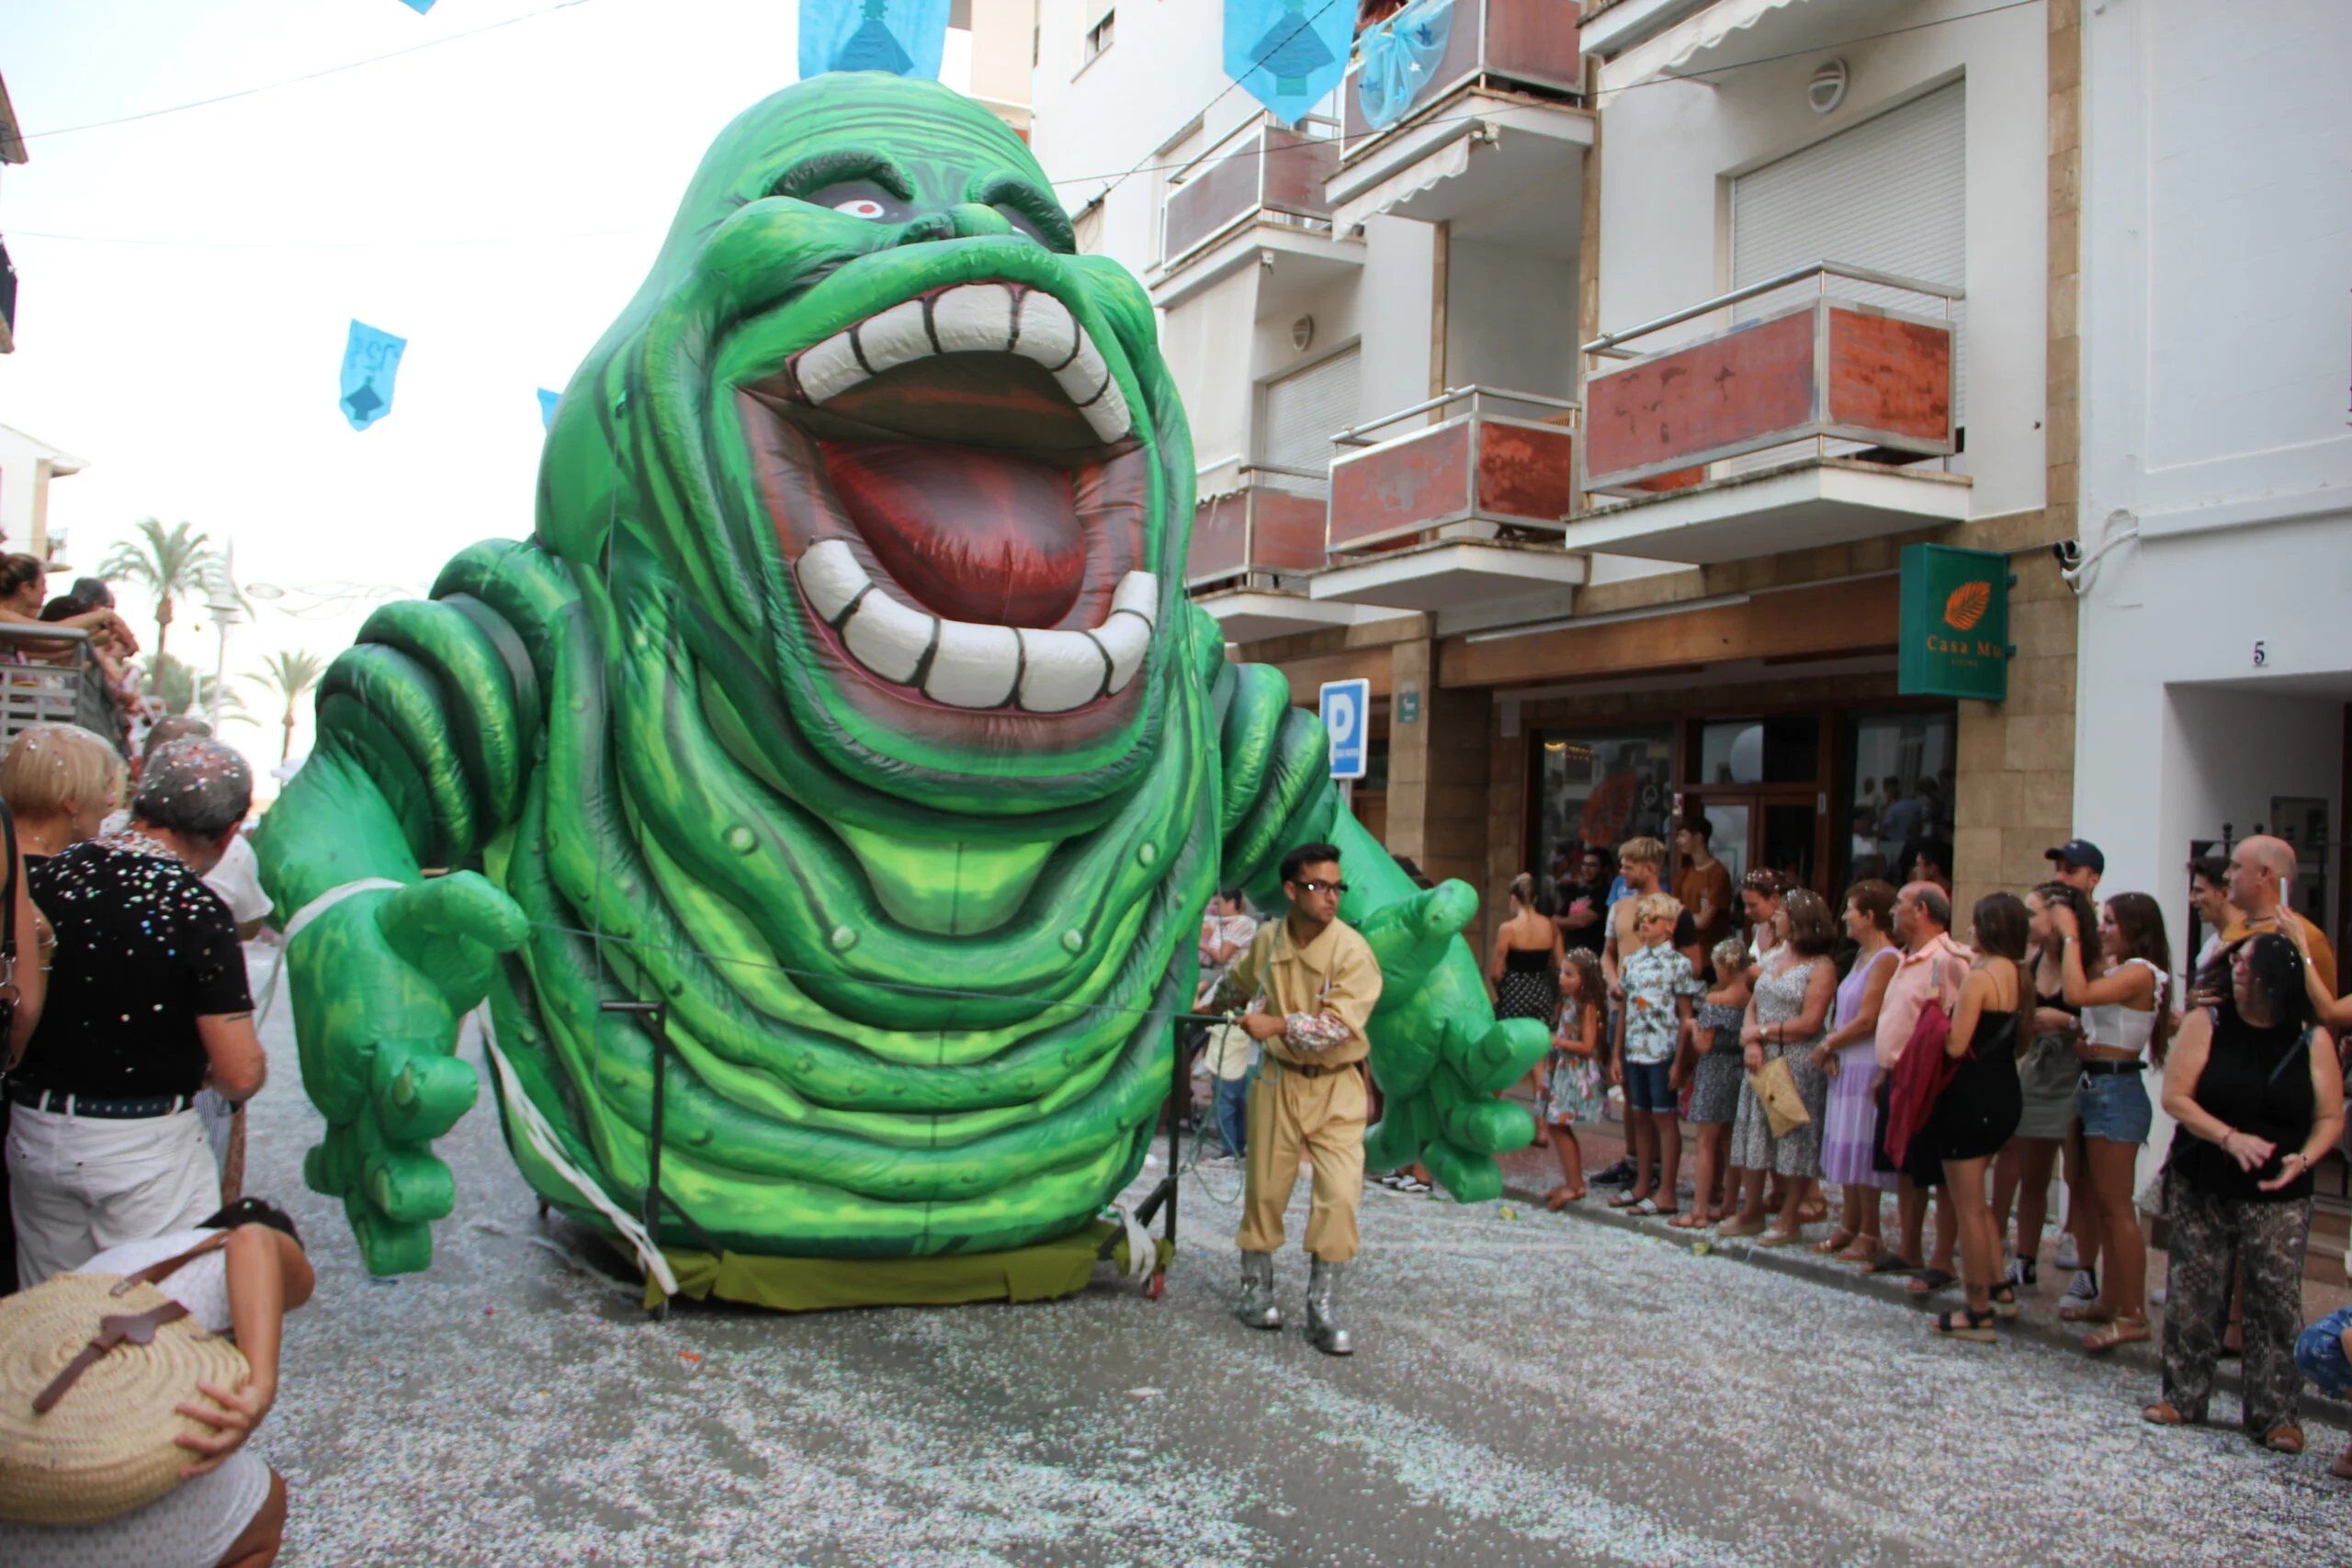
{"points": [[1320, 886]]}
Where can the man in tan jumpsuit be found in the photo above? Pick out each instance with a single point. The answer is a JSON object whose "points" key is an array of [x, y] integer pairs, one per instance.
{"points": [[1308, 983]]}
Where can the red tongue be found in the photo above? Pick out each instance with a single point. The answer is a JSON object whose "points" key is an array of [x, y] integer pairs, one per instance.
{"points": [[977, 535]]}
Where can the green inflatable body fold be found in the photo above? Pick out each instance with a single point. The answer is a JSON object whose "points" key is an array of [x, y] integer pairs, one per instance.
{"points": [[845, 700]]}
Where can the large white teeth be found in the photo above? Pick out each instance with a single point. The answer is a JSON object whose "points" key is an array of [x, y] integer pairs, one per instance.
{"points": [[974, 318], [967, 665]]}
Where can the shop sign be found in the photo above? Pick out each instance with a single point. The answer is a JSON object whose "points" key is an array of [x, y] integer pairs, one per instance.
{"points": [[1955, 623]]}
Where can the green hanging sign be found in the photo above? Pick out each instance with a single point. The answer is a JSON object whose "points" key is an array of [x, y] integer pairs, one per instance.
{"points": [[1954, 640]]}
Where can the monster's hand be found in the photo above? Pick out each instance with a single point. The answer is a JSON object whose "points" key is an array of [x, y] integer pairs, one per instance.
{"points": [[1440, 1053], [380, 983]]}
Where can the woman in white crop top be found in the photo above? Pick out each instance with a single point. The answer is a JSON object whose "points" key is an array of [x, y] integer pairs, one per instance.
{"points": [[2126, 1019]]}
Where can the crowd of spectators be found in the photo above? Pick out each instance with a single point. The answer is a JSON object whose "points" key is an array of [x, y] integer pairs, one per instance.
{"points": [[1873, 1049], [134, 1010]]}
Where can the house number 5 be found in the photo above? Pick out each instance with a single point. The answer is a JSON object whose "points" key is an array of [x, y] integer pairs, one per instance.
{"points": [[2261, 655]]}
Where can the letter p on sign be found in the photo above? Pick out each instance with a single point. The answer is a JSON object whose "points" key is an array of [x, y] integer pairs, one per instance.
{"points": [[1346, 709]]}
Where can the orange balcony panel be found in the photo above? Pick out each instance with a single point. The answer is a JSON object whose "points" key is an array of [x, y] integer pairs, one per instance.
{"points": [[1890, 374], [1826, 368], [1473, 469], [1269, 171], [1255, 529], [1653, 416]]}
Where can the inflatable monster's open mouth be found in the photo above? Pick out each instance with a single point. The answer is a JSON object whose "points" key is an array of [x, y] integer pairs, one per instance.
{"points": [[960, 487]]}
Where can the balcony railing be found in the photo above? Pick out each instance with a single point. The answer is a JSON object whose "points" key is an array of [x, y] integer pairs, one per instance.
{"points": [[1258, 531], [1261, 171], [71, 692], [1825, 369], [1510, 44], [1472, 474]]}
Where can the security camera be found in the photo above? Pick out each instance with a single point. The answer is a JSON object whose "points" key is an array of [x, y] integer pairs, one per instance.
{"points": [[2069, 554]]}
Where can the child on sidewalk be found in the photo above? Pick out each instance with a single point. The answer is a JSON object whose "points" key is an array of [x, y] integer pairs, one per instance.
{"points": [[1659, 988], [1712, 1060], [1571, 1089]]}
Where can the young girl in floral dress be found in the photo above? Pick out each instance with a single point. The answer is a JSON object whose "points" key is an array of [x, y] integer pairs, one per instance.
{"points": [[1572, 1089], [1716, 1073]]}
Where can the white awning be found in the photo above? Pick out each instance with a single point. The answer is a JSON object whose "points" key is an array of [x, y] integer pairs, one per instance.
{"points": [[1415, 177], [1687, 37]]}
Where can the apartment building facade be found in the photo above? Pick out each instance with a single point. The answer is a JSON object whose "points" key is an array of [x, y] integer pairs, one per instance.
{"points": [[1539, 409]]}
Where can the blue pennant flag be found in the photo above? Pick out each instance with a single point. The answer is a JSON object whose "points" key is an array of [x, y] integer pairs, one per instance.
{"points": [[370, 360], [1400, 56], [1288, 53], [904, 37], [419, 6], [546, 407]]}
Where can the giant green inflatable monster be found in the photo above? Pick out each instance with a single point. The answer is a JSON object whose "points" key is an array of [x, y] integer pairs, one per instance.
{"points": [[846, 701]]}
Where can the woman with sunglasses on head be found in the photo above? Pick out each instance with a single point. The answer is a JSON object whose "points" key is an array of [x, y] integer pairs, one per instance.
{"points": [[2254, 1085], [2126, 1021], [2047, 1075], [1977, 1110]]}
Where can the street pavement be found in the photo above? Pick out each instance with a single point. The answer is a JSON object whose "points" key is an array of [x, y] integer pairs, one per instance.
{"points": [[1530, 1388]]}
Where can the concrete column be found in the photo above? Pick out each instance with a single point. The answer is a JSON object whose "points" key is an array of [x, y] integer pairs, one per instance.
{"points": [[1438, 768]]}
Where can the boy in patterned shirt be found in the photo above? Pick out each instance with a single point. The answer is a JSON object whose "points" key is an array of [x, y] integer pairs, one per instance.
{"points": [[1659, 989]]}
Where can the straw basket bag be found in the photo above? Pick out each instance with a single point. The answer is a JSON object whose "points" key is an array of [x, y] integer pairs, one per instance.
{"points": [[80, 1449]]}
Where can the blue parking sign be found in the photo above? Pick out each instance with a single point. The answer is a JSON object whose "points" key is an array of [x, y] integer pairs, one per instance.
{"points": [[1346, 711]]}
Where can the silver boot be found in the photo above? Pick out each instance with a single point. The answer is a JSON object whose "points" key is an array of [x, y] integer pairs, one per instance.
{"points": [[1257, 1308], [1323, 1330]]}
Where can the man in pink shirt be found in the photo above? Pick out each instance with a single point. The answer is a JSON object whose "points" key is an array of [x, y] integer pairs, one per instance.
{"points": [[1932, 965]]}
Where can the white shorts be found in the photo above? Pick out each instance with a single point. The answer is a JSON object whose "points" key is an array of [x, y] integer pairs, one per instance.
{"points": [[192, 1526], [78, 1185]]}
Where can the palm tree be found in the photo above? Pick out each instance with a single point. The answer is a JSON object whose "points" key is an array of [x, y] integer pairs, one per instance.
{"points": [[184, 689], [286, 676], [167, 564]]}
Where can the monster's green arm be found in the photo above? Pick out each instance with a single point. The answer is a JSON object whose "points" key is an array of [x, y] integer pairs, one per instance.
{"points": [[1439, 1052]]}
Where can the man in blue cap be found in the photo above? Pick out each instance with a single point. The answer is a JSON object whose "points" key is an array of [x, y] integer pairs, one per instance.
{"points": [[2079, 865]]}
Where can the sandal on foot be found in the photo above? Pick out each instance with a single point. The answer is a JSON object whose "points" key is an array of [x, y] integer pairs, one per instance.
{"points": [[2004, 1304], [2084, 1312], [1964, 1323], [2342, 1468], [1889, 1263], [1558, 1198], [1694, 1221], [1863, 1250], [1732, 1230], [1644, 1209], [1928, 1282], [1625, 1200], [1780, 1238], [2284, 1439], [1836, 1241], [2162, 1415], [2116, 1331]]}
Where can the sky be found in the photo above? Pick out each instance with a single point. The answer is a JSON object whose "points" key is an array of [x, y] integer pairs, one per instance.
{"points": [[495, 200]]}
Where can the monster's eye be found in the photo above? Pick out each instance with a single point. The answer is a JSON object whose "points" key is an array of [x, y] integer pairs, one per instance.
{"points": [[860, 207], [861, 199]]}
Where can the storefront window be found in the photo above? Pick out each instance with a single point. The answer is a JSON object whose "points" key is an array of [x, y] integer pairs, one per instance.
{"points": [[1900, 770], [1602, 788], [1784, 749]]}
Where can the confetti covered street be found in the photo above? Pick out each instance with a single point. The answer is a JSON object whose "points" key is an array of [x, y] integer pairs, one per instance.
{"points": [[1530, 1388]]}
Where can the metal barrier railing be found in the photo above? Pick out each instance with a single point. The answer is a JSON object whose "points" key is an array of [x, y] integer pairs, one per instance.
{"points": [[44, 691]]}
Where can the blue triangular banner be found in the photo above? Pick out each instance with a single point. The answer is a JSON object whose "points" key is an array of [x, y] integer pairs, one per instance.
{"points": [[370, 359], [1288, 53], [419, 6], [905, 38], [546, 407]]}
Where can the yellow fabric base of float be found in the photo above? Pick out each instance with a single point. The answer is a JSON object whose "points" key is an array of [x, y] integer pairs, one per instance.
{"points": [[817, 1284]]}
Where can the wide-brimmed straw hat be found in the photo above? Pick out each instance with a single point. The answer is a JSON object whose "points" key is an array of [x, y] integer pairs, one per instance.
{"points": [[104, 1446]]}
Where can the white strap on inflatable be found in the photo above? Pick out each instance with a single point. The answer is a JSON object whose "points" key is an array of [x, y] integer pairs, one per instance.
{"points": [[329, 900], [1143, 1254], [544, 1143]]}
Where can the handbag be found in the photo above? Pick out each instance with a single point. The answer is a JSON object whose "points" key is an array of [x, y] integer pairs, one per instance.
{"points": [[1921, 1075], [1776, 1091]]}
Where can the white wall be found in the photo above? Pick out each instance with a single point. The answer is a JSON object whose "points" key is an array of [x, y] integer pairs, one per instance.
{"points": [[1668, 148], [2218, 208], [1511, 320]]}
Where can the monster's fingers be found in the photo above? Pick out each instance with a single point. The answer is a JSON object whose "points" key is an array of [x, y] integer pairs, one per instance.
{"points": [[386, 1246], [450, 928], [1495, 1057], [408, 1188], [419, 1092], [1411, 937], [1477, 1123], [1468, 1178], [340, 1166]]}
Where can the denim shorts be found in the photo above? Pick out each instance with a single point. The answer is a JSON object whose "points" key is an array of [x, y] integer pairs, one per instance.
{"points": [[2114, 1106], [2320, 1353], [1649, 1087]]}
